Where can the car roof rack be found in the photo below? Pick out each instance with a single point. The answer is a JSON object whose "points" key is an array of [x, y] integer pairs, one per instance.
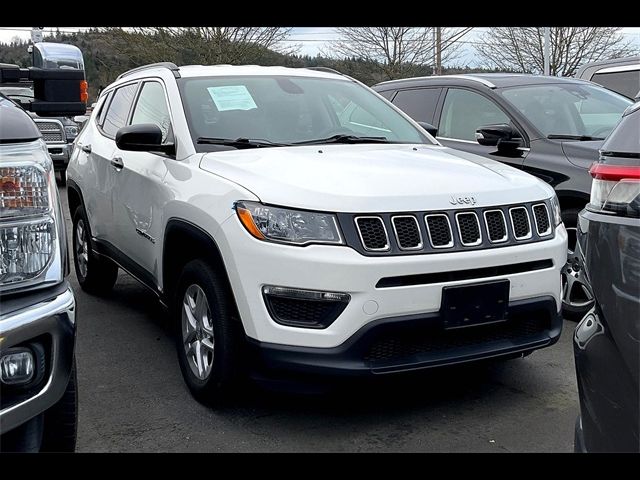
{"points": [[170, 65], [326, 69]]}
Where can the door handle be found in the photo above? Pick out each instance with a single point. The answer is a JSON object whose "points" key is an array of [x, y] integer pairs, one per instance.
{"points": [[117, 163], [86, 148]]}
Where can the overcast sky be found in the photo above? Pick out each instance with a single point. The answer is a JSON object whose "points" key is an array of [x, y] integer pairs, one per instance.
{"points": [[313, 40]]}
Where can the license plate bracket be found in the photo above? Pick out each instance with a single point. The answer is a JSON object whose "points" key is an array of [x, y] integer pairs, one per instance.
{"points": [[475, 304]]}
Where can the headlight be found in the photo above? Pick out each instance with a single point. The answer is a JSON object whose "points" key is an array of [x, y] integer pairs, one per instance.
{"points": [[556, 212], [71, 131], [28, 230], [283, 225]]}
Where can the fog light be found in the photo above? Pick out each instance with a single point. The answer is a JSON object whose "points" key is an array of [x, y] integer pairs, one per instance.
{"points": [[295, 307], [17, 366]]}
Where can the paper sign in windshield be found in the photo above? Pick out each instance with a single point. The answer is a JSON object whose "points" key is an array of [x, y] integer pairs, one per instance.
{"points": [[232, 97]]}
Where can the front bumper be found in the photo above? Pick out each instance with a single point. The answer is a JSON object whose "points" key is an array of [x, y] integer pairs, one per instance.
{"points": [[251, 264], [416, 342], [51, 318], [60, 154]]}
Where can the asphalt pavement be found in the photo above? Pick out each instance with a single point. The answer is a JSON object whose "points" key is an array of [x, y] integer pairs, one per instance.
{"points": [[132, 397]]}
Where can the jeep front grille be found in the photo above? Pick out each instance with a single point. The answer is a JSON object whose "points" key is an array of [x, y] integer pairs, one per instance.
{"points": [[407, 232], [420, 232], [469, 229], [439, 229], [541, 214], [496, 226], [373, 233], [520, 223]]}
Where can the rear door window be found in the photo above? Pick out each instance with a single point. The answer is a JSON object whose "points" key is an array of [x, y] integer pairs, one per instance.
{"points": [[419, 103], [464, 111], [118, 111], [151, 107], [626, 83]]}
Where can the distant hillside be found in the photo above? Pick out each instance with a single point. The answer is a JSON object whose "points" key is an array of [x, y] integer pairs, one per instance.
{"points": [[109, 53]]}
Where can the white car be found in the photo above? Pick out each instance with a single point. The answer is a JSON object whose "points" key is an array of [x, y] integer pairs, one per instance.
{"points": [[287, 235]]}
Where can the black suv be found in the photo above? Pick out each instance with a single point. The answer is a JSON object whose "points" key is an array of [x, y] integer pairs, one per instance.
{"points": [[550, 127], [607, 340]]}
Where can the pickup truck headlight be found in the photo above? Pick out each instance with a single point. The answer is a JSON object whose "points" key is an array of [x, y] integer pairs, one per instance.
{"points": [[71, 131], [555, 211], [283, 225], [28, 231]]}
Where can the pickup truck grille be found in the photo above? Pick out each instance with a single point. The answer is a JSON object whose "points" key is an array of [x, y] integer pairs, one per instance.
{"points": [[51, 130], [446, 231]]}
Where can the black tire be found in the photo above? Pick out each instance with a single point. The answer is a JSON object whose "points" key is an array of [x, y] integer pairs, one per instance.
{"points": [[60, 426], [227, 370], [99, 274], [570, 311]]}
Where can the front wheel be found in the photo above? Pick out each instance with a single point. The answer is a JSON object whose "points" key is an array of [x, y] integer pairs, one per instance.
{"points": [[208, 335]]}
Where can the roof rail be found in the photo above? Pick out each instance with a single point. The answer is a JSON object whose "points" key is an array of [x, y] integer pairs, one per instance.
{"points": [[171, 66], [481, 80], [326, 69]]}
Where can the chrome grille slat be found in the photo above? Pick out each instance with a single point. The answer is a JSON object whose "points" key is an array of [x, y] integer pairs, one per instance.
{"points": [[407, 232], [439, 230], [51, 130], [469, 228], [542, 219], [496, 225], [520, 223], [373, 233]]}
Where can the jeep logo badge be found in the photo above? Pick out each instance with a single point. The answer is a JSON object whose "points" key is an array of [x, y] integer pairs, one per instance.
{"points": [[462, 200]]}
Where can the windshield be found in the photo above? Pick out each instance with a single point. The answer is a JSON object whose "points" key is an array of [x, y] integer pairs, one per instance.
{"points": [[285, 110], [570, 110]]}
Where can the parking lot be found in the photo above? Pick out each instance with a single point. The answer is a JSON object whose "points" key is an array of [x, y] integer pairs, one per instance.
{"points": [[133, 398]]}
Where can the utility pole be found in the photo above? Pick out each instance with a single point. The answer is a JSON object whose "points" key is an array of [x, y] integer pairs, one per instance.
{"points": [[435, 49], [438, 51], [547, 41]]}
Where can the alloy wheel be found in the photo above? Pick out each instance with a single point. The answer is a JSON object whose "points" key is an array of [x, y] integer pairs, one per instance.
{"points": [[82, 248], [197, 332]]}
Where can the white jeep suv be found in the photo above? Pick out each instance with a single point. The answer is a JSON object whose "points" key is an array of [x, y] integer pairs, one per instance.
{"points": [[293, 220]]}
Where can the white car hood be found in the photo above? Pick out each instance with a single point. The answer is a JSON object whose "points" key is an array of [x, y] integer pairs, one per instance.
{"points": [[373, 177]]}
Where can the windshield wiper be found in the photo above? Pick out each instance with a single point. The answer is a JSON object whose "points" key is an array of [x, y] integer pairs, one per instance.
{"points": [[582, 138], [240, 142], [343, 138]]}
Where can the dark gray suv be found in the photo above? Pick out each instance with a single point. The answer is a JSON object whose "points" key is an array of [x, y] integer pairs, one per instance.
{"points": [[607, 340]]}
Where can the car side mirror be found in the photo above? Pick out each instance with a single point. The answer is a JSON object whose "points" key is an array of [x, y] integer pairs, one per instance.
{"points": [[502, 136], [433, 131], [144, 137]]}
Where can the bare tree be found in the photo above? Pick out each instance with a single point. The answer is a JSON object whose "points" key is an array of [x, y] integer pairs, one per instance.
{"points": [[398, 50], [198, 45], [521, 48]]}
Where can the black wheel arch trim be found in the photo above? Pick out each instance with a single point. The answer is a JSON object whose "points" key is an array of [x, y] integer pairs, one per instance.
{"points": [[202, 235]]}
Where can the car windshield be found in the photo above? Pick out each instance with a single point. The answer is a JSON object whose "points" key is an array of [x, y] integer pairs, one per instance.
{"points": [[586, 112], [284, 110]]}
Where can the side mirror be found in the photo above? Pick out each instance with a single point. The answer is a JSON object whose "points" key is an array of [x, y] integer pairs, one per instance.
{"points": [[503, 136], [429, 128], [144, 137]]}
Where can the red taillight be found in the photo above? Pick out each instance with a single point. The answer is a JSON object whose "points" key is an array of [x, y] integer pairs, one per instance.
{"points": [[614, 173], [615, 189], [84, 91]]}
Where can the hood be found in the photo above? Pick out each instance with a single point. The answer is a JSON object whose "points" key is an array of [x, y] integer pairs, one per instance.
{"points": [[582, 154], [374, 177]]}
